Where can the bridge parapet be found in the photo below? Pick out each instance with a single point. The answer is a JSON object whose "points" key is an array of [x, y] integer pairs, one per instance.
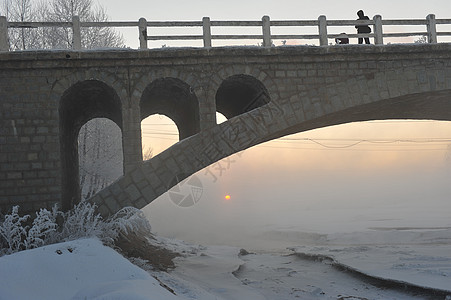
{"points": [[266, 24]]}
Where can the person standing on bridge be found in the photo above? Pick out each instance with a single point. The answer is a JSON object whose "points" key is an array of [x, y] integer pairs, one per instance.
{"points": [[363, 28]]}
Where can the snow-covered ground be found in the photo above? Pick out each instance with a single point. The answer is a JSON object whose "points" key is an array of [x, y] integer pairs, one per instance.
{"points": [[423, 259], [81, 269], [85, 269]]}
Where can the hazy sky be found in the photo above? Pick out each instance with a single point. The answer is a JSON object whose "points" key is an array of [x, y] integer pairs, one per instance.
{"points": [[171, 10], [282, 9], [299, 186], [321, 186], [399, 178]]}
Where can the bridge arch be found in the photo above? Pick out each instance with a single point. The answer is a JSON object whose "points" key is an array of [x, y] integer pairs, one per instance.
{"points": [[428, 105], [81, 102], [62, 84], [239, 94], [175, 99]]}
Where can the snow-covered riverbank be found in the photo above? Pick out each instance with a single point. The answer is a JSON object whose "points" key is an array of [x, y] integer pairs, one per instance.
{"points": [[85, 269]]}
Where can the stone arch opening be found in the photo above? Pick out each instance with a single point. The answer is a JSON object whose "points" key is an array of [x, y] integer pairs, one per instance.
{"points": [[79, 104], [158, 133], [220, 118], [100, 155], [239, 94], [175, 99]]}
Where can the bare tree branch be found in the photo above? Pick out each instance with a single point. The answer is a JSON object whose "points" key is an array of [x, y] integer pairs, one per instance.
{"points": [[58, 37]]}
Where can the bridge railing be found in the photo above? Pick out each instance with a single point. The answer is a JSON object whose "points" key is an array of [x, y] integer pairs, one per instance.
{"points": [[266, 25]]}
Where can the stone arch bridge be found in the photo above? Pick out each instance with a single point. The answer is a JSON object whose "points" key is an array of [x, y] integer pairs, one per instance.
{"points": [[266, 93]]}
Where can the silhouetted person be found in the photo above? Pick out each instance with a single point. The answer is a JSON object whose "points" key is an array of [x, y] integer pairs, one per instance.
{"points": [[363, 28], [342, 39]]}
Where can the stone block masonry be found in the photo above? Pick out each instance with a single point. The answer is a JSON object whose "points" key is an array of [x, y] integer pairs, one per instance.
{"points": [[29, 143], [46, 96]]}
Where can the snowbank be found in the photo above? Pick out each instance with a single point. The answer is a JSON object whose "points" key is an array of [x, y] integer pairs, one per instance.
{"points": [[81, 269]]}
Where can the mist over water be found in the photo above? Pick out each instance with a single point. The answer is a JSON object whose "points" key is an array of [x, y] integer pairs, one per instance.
{"points": [[285, 197]]}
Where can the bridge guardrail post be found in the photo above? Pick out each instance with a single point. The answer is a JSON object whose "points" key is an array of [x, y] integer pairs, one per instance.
{"points": [[378, 33], [322, 29], [3, 34], [266, 30], [76, 33], [142, 27], [431, 27], [206, 28]]}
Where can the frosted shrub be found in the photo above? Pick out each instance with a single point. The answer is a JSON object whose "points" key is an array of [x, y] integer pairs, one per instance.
{"points": [[129, 219], [13, 232], [81, 221], [44, 229], [124, 221]]}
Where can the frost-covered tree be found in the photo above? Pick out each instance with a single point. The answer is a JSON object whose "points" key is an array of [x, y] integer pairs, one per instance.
{"points": [[21, 11], [94, 37], [57, 37], [100, 155]]}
